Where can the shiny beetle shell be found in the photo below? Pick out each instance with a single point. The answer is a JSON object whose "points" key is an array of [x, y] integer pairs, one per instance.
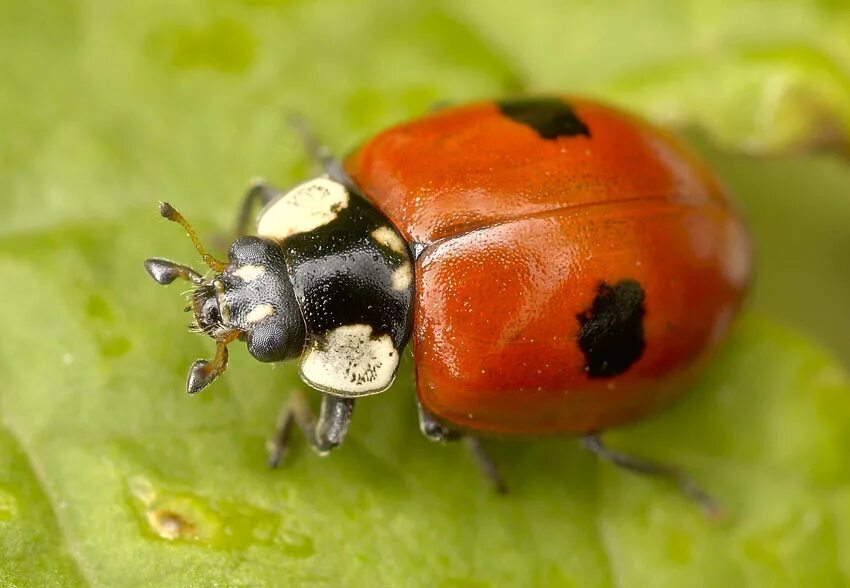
{"points": [[574, 264]]}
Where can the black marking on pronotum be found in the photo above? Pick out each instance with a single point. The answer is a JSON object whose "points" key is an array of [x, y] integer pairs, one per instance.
{"points": [[549, 117], [341, 275], [611, 335]]}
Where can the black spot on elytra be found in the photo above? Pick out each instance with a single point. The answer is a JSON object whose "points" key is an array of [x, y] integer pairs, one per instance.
{"points": [[611, 334], [549, 117]]}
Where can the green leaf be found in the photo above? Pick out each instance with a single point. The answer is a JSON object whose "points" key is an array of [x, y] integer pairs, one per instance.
{"points": [[110, 475]]}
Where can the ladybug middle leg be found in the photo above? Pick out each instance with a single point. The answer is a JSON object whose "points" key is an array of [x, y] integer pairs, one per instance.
{"points": [[323, 434], [436, 431], [262, 193], [433, 429], [593, 443], [317, 151]]}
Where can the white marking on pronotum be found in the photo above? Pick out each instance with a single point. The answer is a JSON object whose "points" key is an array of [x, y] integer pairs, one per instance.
{"points": [[351, 362], [259, 312], [302, 209], [390, 239], [249, 273], [401, 278]]}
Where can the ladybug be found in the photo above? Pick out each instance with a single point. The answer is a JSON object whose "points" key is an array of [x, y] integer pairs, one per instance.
{"points": [[558, 267]]}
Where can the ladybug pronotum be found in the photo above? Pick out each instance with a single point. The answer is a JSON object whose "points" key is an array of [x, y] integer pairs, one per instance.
{"points": [[557, 266]]}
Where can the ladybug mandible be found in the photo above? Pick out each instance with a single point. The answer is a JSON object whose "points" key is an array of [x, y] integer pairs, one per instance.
{"points": [[558, 266]]}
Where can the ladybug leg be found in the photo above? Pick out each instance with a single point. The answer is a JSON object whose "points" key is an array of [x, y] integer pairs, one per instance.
{"points": [[486, 464], [436, 431], [685, 483], [259, 192], [332, 426], [433, 429], [317, 151], [324, 433], [439, 105]]}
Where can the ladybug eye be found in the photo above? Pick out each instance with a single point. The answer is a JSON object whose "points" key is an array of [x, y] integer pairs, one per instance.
{"points": [[208, 315], [212, 315]]}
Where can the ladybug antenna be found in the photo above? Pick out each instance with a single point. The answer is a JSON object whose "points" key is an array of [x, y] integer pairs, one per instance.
{"points": [[169, 212]]}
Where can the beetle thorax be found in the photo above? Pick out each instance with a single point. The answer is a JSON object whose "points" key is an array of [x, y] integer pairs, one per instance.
{"points": [[352, 275]]}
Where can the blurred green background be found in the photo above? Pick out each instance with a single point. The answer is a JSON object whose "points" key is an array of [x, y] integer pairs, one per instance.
{"points": [[111, 476]]}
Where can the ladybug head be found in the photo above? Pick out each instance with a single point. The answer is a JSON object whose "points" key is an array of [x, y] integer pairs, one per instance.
{"points": [[249, 297]]}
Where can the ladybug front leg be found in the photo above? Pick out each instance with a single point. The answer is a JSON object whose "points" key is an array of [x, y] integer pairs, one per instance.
{"points": [[262, 193], [259, 192], [436, 431], [645, 467], [323, 434]]}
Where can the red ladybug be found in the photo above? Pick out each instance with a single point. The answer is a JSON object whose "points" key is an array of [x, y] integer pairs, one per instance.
{"points": [[560, 267]]}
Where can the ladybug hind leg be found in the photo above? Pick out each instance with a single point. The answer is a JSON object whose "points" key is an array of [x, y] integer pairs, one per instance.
{"points": [[323, 434], [486, 464], [436, 431], [687, 486]]}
